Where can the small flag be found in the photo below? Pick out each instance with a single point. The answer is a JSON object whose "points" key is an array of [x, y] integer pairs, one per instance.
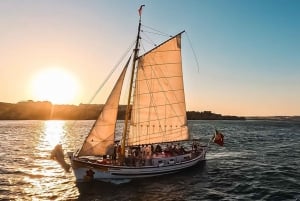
{"points": [[218, 138], [140, 10]]}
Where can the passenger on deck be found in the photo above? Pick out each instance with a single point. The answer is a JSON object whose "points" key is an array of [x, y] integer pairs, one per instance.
{"points": [[114, 155], [181, 150], [143, 151], [119, 150], [158, 149], [148, 151], [194, 146], [168, 150]]}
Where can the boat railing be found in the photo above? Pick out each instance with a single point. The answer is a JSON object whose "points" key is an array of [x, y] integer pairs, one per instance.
{"points": [[156, 159]]}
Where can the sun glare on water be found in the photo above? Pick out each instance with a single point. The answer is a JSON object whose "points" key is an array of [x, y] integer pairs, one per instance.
{"points": [[55, 85]]}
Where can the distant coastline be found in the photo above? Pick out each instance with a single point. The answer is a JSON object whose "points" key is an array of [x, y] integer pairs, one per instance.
{"points": [[44, 110], [278, 118]]}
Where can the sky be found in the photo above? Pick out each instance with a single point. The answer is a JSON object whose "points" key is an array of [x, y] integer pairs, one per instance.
{"points": [[240, 57]]}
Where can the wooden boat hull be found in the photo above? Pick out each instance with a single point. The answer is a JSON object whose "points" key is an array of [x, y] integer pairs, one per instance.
{"points": [[86, 170]]}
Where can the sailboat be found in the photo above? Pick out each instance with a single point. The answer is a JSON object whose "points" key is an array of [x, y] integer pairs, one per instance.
{"points": [[156, 138]]}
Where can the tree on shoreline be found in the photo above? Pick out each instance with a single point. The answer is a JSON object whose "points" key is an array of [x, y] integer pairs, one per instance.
{"points": [[45, 110]]}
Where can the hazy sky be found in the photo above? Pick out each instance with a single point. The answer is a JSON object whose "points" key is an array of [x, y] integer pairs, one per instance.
{"points": [[248, 50]]}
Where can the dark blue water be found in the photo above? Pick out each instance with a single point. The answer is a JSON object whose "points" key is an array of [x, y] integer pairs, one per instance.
{"points": [[259, 161]]}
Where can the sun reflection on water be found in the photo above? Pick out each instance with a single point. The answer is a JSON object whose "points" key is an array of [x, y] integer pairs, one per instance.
{"points": [[54, 132], [46, 177]]}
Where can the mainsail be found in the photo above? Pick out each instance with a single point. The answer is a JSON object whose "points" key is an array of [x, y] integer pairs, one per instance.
{"points": [[100, 140], [158, 111]]}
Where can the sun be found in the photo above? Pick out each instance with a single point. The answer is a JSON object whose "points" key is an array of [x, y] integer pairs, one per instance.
{"points": [[55, 85]]}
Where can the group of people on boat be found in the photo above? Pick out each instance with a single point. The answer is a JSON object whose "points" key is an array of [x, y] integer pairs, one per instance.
{"points": [[142, 155]]}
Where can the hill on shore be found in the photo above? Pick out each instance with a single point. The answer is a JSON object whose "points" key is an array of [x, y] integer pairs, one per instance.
{"points": [[30, 110]]}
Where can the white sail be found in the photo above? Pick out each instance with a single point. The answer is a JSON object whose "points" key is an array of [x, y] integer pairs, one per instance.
{"points": [[100, 140], [159, 111]]}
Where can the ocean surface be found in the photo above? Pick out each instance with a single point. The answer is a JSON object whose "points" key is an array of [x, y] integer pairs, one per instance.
{"points": [[260, 160]]}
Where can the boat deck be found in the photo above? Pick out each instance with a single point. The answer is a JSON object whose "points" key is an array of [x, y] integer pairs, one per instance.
{"points": [[156, 159]]}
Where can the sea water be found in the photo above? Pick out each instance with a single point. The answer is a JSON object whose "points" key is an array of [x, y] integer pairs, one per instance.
{"points": [[260, 160]]}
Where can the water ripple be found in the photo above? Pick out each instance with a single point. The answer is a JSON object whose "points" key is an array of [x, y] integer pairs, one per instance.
{"points": [[260, 161]]}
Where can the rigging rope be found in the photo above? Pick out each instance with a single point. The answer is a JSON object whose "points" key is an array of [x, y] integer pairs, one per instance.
{"points": [[190, 43], [160, 32], [149, 40], [111, 72]]}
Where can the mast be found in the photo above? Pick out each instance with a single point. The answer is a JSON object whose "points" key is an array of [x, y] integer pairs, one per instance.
{"points": [[135, 56]]}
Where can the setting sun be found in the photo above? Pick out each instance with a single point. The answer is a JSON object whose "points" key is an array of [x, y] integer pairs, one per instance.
{"points": [[55, 85]]}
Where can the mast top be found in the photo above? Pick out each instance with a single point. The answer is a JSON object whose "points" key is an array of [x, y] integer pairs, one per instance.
{"points": [[140, 11]]}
